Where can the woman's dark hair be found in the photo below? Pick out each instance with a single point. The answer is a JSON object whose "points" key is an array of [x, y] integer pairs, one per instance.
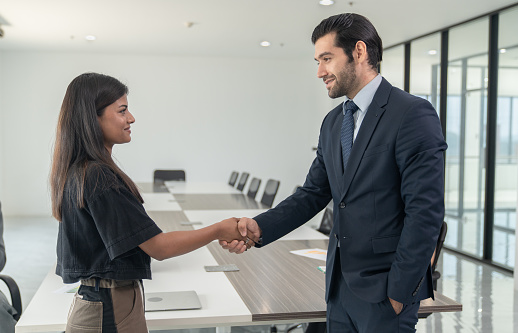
{"points": [[351, 28], [79, 138]]}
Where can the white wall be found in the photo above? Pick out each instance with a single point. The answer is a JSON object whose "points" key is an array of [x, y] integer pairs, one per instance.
{"points": [[208, 116]]}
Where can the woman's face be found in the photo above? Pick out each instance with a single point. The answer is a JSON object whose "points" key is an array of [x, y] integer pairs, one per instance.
{"points": [[116, 122]]}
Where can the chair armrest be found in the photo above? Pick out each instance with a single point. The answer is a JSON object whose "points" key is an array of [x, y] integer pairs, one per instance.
{"points": [[16, 298]]}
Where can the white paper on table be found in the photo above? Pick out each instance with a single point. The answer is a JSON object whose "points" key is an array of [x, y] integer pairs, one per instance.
{"points": [[68, 288], [312, 253]]}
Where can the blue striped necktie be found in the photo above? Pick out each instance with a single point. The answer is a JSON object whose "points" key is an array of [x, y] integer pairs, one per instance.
{"points": [[346, 135]]}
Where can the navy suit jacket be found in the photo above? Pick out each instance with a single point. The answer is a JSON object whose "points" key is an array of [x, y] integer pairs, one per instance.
{"points": [[388, 204]]}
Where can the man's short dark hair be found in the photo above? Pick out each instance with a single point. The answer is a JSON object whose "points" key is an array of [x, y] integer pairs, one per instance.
{"points": [[351, 28]]}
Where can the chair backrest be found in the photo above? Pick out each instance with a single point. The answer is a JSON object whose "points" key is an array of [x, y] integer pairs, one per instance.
{"points": [[270, 191], [160, 176], [254, 188], [326, 225], [16, 299], [242, 181], [233, 178], [440, 243]]}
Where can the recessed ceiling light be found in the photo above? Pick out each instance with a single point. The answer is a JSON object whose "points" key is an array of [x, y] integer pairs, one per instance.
{"points": [[265, 43], [432, 52], [90, 37], [326, 2], [503, 50]]}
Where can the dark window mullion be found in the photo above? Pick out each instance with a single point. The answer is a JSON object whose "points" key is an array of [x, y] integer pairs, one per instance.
{"points": [[492, 97]]}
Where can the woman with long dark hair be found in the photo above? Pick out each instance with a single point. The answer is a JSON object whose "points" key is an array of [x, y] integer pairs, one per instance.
{"points": [[105, 237]]}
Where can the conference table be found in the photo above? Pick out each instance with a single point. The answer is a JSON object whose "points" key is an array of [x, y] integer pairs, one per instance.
{"points": [[272, 285]]}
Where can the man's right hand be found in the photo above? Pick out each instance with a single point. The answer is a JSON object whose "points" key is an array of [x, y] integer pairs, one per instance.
{"points": [[248, 228]]}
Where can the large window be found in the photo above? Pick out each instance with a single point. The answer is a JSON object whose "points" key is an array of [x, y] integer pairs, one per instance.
{"points": [[425, 68], [465, 133], [506, 170], [452, 69]]}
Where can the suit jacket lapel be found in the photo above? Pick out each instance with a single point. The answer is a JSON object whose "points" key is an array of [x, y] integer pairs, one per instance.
{"points": [[374, 114]]}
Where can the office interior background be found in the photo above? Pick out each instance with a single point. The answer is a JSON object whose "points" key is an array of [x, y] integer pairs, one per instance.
{"points": [[210, 105]]}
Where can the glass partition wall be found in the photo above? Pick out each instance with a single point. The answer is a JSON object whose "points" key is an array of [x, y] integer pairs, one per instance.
{"points": [[465, 133], [506, 161], [481, 170]]}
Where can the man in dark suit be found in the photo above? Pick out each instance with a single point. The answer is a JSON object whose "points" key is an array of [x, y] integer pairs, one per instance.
{"points": [[387, 188]]}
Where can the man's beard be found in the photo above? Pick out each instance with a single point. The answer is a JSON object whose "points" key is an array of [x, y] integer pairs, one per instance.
{"points": [[344, 82]]}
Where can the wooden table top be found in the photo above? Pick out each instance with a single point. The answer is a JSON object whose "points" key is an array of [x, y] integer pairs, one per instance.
{"points": [[278, 285], [223, 201]]}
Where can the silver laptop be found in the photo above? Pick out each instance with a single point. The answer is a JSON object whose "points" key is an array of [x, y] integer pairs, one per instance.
{"points": [[175, 300]]}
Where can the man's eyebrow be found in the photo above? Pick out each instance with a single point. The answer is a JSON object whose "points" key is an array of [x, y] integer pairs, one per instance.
{"points": [[322, 55]]}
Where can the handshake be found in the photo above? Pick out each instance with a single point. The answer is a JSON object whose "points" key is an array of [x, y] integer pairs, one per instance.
{"points": [[238, 235]]}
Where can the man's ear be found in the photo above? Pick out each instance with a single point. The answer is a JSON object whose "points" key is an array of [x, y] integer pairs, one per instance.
{"points": [[360, 51]]}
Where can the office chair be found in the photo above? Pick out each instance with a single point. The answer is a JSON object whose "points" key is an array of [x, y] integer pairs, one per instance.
{"points": [[253, 188], [270, 191], [16, 299], [326, 225], [160, 176], [233, 178], [242, 181], [435, 258]]}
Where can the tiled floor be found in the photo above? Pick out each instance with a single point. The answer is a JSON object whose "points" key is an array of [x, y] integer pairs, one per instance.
{"points": [[490, 305]]}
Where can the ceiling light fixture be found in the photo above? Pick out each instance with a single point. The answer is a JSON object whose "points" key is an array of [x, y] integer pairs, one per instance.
{"points": [[326, 2], [432, 52], [265, 43], [90, 38], [503, 50]]}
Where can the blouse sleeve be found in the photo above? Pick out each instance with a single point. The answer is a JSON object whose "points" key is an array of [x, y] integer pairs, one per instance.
{"points": [[120, 219]]}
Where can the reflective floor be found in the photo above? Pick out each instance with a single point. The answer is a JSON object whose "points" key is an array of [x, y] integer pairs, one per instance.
{"points": [[490, 305]]}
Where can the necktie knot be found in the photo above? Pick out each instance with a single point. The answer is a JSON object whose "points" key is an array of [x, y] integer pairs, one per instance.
{"points": [[349, 105]]}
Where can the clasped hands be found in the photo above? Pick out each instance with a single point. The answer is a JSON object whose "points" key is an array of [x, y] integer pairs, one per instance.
{"points": [[238, 235]]}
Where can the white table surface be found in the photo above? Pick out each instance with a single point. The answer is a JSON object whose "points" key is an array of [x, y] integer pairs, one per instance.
{"points": [[160, 202], [221, 303], [200, 188]]}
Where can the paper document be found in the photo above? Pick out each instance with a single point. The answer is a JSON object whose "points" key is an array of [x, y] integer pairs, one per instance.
{"points": [[312, 253], [68, 288]]}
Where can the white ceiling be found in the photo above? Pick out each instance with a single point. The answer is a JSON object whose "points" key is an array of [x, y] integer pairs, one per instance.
{"points": [[231, 28]]}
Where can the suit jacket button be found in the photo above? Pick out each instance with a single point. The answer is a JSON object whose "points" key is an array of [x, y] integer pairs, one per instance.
{"points": [[342, 205]]}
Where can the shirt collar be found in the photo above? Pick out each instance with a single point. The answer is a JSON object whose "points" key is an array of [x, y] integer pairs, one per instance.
{"points": [[365, 96]]}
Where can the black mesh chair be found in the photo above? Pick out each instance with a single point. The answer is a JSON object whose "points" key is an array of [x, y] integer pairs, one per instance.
{"points": [[242, 181], [327, 222], [16, 299], [435, 258], [270, 191], [233, 178], [254, 188], [160, 176]]}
